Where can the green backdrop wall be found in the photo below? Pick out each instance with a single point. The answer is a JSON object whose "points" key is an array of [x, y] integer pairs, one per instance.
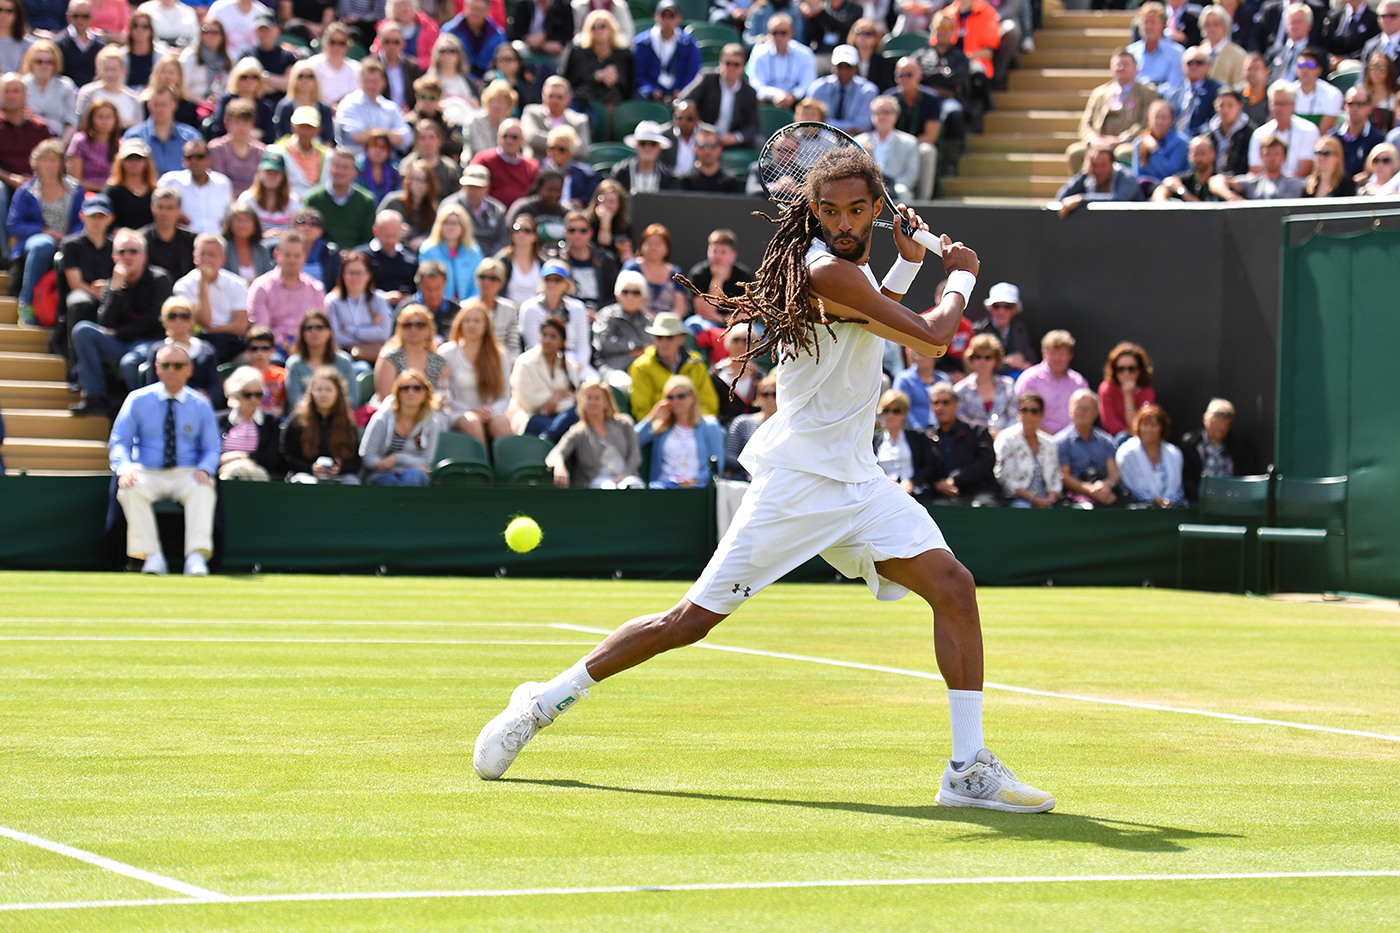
{"points": [[1339, 330]]}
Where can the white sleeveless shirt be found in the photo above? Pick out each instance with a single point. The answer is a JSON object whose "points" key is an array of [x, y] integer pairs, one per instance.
{"points": [[826, 408]]}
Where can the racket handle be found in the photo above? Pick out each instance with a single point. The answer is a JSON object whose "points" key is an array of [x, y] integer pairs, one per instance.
{"points": [[927, 240]]}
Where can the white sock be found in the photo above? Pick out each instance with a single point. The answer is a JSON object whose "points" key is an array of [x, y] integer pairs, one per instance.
{"points": [[562, 692], [965, 711]]}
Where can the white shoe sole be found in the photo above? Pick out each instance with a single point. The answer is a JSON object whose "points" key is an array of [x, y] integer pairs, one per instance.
{"points": [[946, 798]]}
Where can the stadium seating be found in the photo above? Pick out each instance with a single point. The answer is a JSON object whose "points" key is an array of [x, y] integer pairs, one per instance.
{"points": [[364, 384], [694, 9], [461, 460], [520, 460], [899, 46], [772, 119], [738, 160], [1238, 497], [631, 112], [705, 30], [603, 156], [1307, 511]]}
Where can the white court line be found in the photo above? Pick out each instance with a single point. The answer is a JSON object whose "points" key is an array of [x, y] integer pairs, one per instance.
{"points": [[704, 886], [927, 675], [283, 641], [121, 868], [144, 620]]}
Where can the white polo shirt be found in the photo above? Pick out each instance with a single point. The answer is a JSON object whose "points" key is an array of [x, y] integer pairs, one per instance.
{"points": [[227, 294], [205, 205]]}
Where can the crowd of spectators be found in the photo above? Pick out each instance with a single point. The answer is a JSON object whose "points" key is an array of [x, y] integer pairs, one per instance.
{"points": [[1244, 102]]}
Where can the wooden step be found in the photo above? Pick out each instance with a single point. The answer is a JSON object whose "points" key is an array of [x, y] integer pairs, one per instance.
{"points": [[38, 453], [1018, 164], [23, 339], [55, 424], [1069, 58], [1035, 187], [9, 310], [37, 366], [1024, 142], [1048, 40], [1089, 19], [1058, 79], [19, 393], [1043, 100], [1032, 121]]}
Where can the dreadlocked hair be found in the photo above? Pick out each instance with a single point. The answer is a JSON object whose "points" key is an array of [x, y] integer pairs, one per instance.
{"points": [[778, 297]]}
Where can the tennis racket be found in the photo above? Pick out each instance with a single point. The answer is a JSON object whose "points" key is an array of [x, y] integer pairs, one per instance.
{"points": [[792, 151]]}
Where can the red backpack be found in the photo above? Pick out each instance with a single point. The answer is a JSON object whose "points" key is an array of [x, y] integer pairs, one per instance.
{"points": [[46, 299]]}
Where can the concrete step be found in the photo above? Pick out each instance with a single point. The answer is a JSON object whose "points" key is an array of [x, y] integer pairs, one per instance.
{"points": [[23, 339], [1016, 164], [1032, 121], [1024, 142], [37, 453], [1058, 79], [1069, 58], [1048, 40], [37, 366], [1037, 188], [9, 310], [22, 393], [1089, 19], [55, 424], [1043, 100]]}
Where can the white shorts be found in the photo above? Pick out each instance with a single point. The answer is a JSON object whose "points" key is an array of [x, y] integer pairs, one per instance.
{"points": [[788, 517]]}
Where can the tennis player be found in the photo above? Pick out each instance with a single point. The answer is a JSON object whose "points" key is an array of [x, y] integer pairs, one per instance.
{"points": [[817, 488]]}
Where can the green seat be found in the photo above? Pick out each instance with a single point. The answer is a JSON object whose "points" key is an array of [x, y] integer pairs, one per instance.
{"points": [[1237, 497], [603, 156], [364, 385], [643, 11], [738, 160], [694, 9], [710, 51], [905, 43], [1308, 511], [623, 399], [357, 52], [461, 460], [629, 113], [707, 30], [772, 119], [226, 370], [520, 460], [293, 40], [1313, 118], [601, 128], [1343, 80]]}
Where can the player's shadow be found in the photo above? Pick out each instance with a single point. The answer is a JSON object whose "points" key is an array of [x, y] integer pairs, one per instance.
{"points": [[1036, 827]]}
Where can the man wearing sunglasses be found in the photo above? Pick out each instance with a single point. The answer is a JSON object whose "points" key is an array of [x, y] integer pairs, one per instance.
{"points": [[79, 45], [726, 100], [165, 446], [781, 69], [1356, 134], [128, 321]]}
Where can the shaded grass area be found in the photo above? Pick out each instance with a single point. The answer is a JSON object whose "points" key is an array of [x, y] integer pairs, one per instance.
{"points": [[309, 734]]}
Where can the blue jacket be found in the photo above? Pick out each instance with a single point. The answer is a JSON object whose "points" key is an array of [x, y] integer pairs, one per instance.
{"points": [[1169, 159], [27, 218], [461, 272], [1122, 187], [480, 56], [681, 70], [910, 384], [709, 442]]}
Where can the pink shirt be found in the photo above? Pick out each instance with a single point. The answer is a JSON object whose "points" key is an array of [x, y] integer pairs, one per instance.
{"points": [[272, 304], [112, 16], [1056, 393]]}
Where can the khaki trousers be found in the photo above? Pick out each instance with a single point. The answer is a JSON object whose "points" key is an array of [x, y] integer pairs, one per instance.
{"points": [[178, 485]]}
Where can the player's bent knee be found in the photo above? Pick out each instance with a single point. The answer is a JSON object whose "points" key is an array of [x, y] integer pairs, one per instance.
{"points": [[955, 583], [687, 623]]}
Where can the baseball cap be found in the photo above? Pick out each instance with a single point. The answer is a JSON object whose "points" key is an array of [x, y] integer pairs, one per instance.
{"points": [[133, 147], [306, 116], [264, 18], [845, 55], [97, 204], [1004, 293], [554, 267], [665, 5], [274, 161], [477, 176]]}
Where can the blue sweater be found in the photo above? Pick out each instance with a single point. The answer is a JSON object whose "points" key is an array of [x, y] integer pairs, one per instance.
{"points": [[461, 271], [27, 217], [709, 442]]}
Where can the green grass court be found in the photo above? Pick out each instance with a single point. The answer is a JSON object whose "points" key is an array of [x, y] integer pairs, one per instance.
{"points": [[302, 746]]}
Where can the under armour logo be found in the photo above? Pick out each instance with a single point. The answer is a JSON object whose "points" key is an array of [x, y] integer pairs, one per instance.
{"points": [[738, 587]]}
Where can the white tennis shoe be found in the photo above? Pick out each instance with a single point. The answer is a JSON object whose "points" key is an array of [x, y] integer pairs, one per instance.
{"points": [[989, 784], [502, 738]]}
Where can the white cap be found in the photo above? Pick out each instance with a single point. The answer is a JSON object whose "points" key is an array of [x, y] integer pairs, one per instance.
{"points": [[845, 55], [1004, 293]]}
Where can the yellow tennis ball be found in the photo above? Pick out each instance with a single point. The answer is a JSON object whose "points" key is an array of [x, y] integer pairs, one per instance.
{"points": [[523, 534]]}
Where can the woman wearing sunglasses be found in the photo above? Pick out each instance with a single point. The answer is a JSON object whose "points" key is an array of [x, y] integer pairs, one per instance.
{"points": [[682, 440], [251, 436], [1028, 463], [206, 65], [400, 443], [411, 347], [1126, 387], [48, 93], [1380, 171]]}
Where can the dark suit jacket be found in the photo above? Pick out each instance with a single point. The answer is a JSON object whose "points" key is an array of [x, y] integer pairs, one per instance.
{"points": [[411, 72], [558, 21], [974, 457], [668, 155], [622, 173], [1189, 24], [1375, 44], [1193, 458], [881, 72], [1019, 337], [704, 91], [1267, 19], [925, 456], [1235, 159], [1360, 30]]}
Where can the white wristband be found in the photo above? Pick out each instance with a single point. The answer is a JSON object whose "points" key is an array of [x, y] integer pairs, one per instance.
{"points": [[962, 282], [901, 276]]}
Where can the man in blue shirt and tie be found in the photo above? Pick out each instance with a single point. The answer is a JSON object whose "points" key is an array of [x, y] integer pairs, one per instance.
{"points": [[165, 444], [846, 94]]}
